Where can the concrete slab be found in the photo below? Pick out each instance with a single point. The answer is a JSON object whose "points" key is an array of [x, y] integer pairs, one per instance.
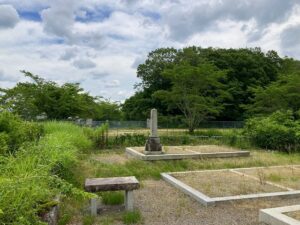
{"points": [[276, 216], [130, 151]]}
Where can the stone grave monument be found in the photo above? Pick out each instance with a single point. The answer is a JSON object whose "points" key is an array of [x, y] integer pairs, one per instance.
{"points": [[153, 145]]}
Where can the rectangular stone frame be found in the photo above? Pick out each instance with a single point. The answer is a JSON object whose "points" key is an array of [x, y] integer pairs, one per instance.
{"points": [[131, 152], [208, 201], [276, 216]]}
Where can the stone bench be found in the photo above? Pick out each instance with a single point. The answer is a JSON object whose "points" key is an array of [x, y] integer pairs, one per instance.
{"points": [[128, 184]]}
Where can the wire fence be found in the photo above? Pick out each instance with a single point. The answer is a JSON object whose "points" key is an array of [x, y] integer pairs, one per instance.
{"points": [[143, 124], [134, 133]]}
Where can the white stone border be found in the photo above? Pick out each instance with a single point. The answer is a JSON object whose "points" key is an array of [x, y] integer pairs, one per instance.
{"points": [[276, 216], [207, 201], [193, 155]]}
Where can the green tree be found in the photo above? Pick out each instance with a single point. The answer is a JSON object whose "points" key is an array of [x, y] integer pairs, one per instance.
{"points": [[31, 99], [106, 110], [283, 94], [138, 106], [247, 69], [196, 90]]}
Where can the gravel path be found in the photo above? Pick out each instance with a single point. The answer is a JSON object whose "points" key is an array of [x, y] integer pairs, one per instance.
{"points": [[161, 204]]}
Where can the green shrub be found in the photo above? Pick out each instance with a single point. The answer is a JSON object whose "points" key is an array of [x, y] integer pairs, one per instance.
{"points": [[98, 135], [278, 131], [132, 217], [36, 173], [3, 143], [128, 140], [14, 132]]}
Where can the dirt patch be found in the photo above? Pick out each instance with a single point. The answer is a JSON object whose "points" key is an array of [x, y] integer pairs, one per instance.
{"points": [[111, 158], [288, 176], [295, 215], [209, 148], [160, 204], [224, 183]]}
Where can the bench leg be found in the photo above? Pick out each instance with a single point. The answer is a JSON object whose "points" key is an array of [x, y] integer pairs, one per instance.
{"points": [[94, 206], [129, 200]]}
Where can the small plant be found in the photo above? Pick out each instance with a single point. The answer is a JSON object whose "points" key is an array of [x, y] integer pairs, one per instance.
{"points": [[88, 220], [261, 176], [132, 217], [275, 177], [112, 198]]}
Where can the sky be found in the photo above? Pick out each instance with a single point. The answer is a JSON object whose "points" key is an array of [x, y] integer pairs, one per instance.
{"points": [[100, 43]]}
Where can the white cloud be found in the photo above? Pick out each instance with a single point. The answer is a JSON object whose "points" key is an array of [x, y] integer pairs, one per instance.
{"points": [[9, 16], [112, 84], [59, 18], [96, 75], [84, 63], [69, 53], [92, 41], [5, 77]]}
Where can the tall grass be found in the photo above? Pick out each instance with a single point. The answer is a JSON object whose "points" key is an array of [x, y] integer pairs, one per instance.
{"points": [[233, 137], [37, 173], [98, 135]]}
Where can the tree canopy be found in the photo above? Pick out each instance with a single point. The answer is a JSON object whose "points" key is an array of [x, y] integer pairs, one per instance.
{"points": [[196, 91], [41, 97], [248, 70]]}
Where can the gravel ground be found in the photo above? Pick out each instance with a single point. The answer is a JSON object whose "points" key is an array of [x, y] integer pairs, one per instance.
{"points": [[161, 204]]}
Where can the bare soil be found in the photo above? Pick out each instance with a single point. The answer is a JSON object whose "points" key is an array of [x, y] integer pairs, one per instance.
{"points": [[288, 176], [209, 148], [111, 158], [295, 215], [224, 183]]}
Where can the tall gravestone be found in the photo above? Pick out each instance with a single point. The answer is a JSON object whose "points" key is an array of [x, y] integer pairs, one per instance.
{"points": [[153, 145]]}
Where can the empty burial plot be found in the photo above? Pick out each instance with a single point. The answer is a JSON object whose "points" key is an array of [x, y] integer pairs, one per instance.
{"points": [[188, 152], [212, 186], [288, 176], [224, 183], [287, 215], [207, 148]]}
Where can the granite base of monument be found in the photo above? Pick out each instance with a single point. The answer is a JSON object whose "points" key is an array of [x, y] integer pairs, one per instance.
{"points": [[153, 146]]}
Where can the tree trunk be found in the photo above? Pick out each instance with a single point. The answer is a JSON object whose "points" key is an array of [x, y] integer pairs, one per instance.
{"points": [[191, 130]]}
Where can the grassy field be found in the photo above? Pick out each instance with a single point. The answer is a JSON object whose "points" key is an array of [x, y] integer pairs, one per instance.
{"points": [[66, 155], [110, 163]]}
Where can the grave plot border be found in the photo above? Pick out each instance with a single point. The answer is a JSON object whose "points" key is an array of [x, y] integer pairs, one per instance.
{"points": [[136, 154], [276, 216], [208, 201]]}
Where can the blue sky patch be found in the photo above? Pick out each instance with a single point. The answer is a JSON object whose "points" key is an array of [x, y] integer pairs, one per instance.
{"points": [[152, 15], [95, 15], [30, 15]]}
